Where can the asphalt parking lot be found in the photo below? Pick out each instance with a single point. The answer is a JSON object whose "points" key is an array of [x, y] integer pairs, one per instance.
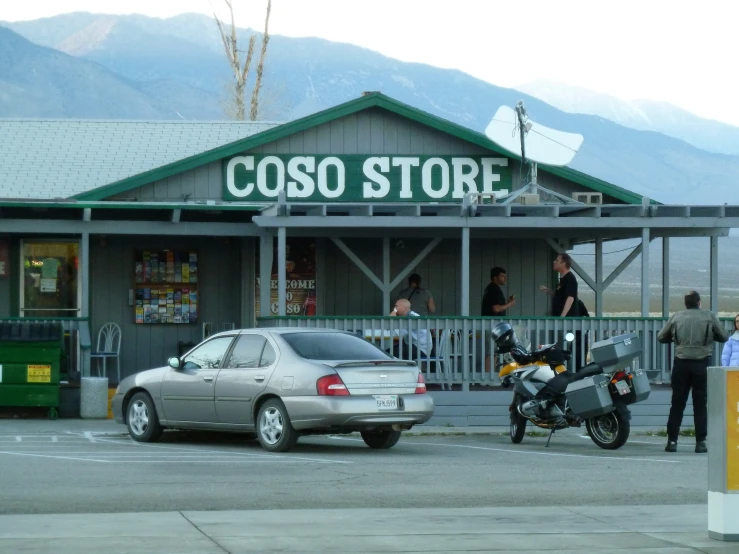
{"points": [[85, 472]]}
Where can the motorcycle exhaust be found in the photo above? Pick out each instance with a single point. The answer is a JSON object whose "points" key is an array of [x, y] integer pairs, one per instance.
{"points": [[532, 407]]}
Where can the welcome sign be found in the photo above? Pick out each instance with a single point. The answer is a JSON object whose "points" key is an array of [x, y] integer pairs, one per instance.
{"points": [[362, 178]]}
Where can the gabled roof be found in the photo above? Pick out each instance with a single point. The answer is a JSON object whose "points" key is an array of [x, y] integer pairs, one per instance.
{"points": [[62, 158], [370, 100]]}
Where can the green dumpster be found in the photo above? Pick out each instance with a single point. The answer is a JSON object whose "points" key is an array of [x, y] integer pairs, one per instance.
{"points": [[30, 360]]}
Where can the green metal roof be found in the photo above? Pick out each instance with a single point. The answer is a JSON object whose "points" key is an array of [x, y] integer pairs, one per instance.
{"points": [[371, 100], [109, 205]]}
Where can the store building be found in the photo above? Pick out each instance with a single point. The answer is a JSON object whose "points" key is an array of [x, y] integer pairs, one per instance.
{"points": [[168, 228]]}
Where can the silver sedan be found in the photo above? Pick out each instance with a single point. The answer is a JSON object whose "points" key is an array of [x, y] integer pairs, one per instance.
{"points": [[279, 384]]}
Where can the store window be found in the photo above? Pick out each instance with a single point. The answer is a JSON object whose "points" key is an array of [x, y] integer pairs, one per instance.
{"points": [[50, 286]]}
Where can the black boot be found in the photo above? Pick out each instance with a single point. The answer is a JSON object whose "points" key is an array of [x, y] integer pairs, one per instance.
{"points": [[671, 446], [700, 447]]}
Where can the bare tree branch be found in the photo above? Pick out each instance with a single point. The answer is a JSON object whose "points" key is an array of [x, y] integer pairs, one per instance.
{"points": [[260, 67], [241, 74]]}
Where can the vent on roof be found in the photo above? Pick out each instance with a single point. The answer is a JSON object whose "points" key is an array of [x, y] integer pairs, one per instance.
{"points": [[588, 197], [368, 92]]}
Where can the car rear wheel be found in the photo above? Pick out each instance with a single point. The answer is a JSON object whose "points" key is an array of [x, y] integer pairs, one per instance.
{"points": [[274, 430], [142, 420], [381, 439]]}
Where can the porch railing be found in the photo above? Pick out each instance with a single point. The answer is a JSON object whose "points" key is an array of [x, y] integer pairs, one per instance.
{"points": [[463, 346]]}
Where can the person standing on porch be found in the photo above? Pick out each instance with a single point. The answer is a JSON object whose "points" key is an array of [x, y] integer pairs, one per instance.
{"points": [[420, 298], [565, 302], [693, 331], [494, 304]]}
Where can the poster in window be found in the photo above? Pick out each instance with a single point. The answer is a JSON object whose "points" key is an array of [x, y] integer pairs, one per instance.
{"points": [[300, 267]]}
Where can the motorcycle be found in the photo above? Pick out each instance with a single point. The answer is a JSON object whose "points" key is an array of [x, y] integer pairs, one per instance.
{"points": [[549, 396]]}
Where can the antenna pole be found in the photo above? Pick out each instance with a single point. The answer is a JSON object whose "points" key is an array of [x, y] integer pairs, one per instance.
{"points": [[521, 112]]}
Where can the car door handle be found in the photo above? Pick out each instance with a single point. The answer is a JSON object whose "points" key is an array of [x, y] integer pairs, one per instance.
{"points": [[259, 378], [208, 379]]}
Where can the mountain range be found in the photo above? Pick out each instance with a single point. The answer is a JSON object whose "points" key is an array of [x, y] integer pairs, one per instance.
{"points": [[85, 65], [644, 115]]}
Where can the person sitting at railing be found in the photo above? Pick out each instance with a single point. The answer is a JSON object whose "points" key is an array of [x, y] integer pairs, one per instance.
{"points": [[420, 340]]}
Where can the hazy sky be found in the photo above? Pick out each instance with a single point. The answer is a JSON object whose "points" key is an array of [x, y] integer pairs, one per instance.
{"points": [[678, 51]]}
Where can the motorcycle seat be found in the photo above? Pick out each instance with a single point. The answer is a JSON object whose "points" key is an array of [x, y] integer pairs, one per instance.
{"points": [[587, 371]]}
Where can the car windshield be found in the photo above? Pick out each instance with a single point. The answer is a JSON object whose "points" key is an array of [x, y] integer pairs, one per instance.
{"points": [[333, 346]]}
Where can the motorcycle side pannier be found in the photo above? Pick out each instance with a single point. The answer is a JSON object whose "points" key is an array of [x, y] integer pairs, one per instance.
{"points": [[617, 352], [590, 397]]}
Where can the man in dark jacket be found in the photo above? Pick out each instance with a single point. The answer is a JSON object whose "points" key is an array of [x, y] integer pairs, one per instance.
{"points": [[693, 331]]}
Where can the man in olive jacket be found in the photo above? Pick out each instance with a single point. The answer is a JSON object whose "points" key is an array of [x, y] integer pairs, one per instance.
{"points": [[693, 331]]}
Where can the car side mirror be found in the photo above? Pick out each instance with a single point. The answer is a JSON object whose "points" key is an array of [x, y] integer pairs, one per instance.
{"points": [[569, 337], [174, 362]]}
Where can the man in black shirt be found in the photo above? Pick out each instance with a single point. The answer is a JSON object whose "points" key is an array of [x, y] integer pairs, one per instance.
{"points": [[493, 301], [494, 304], [565, 302], [565, 296]]}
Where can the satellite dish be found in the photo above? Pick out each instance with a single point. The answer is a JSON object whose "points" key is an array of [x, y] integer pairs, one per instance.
{"points": [[542, 144]]}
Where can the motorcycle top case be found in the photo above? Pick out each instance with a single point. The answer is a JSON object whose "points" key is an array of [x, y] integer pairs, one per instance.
{"points": [[590, 397], [617, 352]]}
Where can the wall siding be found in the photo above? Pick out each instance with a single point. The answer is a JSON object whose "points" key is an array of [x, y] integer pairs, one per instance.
{"points": [[147, 346], [349, 292]]}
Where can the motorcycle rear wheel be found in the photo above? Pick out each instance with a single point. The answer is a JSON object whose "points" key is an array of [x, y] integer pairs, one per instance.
{"points": [[609, 431]]}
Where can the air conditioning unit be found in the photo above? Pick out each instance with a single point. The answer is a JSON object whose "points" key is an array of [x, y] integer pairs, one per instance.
{"points": [[588, 197], [528, 199]]}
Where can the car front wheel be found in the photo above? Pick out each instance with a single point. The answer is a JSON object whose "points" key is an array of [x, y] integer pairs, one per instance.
{"points": [[274, 430], [381, 439], [141, 419]]}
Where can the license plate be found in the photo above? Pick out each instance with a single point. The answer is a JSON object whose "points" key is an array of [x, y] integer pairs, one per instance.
{"points": [[387, 402], [623, 387]]}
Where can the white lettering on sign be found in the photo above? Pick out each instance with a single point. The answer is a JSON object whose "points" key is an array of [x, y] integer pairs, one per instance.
{"points": [[262, 184], [376, 177], [428, 174], [462, 179], [293, 170], [248, 163], [488, 175], [405, 165], [323, 177], [379, 186]]}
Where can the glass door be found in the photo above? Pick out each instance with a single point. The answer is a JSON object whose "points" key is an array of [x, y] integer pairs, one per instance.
{"points": [[50, 286]]}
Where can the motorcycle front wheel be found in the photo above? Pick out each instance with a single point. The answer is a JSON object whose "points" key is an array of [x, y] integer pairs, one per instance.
{"points": [[518, 425], [610, 431]]}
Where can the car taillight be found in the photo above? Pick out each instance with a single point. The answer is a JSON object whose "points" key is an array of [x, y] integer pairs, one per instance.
{"points": [[331, 385], [421, 384]]}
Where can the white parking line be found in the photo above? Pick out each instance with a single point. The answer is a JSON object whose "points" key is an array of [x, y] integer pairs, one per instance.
{"points": [[270, 456], [559, 454], [54, 457], [586, 437]]}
